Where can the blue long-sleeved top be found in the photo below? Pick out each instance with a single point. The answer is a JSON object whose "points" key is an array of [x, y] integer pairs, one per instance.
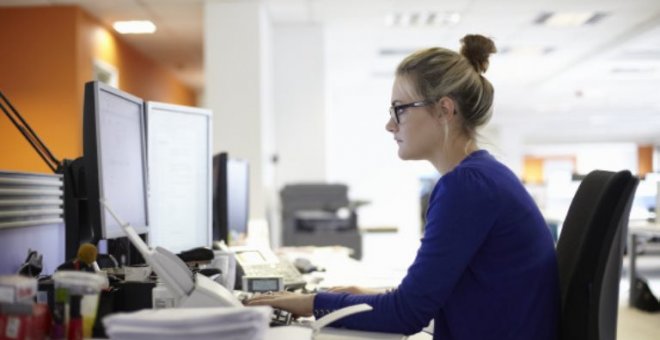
{"points": [[486, 267]]}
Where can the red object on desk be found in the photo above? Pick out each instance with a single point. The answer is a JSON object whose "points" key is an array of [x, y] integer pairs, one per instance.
{"points": [[26, 326]]}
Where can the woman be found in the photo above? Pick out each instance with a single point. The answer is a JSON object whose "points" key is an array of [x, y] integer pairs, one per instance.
{"points": [[486, 267]]}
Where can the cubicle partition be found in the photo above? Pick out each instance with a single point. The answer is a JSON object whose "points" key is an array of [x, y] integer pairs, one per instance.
{"points": [[31, 209]]}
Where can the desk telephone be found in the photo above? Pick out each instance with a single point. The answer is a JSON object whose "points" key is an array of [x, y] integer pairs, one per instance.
{"points": [[253, 261]]}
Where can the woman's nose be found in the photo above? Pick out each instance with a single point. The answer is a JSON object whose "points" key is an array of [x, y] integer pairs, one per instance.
{"points": [[391, 125]]}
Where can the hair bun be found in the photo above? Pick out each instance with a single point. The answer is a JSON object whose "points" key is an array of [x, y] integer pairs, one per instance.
{"points": [[477, 48]]}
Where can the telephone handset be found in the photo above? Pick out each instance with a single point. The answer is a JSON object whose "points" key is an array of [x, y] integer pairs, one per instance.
{"points": [[191, 290], [261, 261]]}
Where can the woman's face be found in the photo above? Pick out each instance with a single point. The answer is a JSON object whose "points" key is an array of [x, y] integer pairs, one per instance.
{"points": [[419, 133]]}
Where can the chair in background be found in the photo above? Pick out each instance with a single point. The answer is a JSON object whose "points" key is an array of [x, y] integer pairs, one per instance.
{"points": [[590, 255]]}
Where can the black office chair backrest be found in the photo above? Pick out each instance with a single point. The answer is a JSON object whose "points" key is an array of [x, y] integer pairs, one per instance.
{"points": [[590, 253]]}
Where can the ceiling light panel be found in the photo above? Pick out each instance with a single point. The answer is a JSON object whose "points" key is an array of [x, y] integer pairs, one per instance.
{"points": [[134, 27], [569, 19], [422, 19]]}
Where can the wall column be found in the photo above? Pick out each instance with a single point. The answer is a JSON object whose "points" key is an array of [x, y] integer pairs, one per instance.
{"points": [[238, 89]]}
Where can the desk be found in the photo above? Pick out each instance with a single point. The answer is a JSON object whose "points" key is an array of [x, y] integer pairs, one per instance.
{"points": [[637, 228], [299, 333], [341, 270], [348, 334]]}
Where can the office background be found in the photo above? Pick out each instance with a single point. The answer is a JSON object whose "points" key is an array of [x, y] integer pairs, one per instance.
{"points": [[308, 83], [300, 88]]}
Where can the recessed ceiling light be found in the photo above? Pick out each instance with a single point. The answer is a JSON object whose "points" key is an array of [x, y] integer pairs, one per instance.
{"points": [[134, 27], [568, 19]]}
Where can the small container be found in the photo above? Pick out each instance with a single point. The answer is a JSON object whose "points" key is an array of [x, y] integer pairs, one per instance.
{"points": [[86, 287], [162, 297]]}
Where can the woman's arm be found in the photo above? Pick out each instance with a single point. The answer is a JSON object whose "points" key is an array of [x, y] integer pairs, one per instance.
{"points": [[462, 211], [295, 303]]}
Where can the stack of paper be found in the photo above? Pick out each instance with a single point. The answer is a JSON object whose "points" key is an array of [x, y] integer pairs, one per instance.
{"points": [[190, 324]]}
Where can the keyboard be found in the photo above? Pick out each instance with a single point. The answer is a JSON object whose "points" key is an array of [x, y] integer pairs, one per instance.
{"points": [[280, 317]]}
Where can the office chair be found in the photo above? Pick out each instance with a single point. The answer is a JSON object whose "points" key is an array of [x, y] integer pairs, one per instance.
{"points": [[590, 254]]}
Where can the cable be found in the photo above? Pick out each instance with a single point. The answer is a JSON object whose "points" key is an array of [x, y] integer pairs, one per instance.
{"points": [[53, 163]]}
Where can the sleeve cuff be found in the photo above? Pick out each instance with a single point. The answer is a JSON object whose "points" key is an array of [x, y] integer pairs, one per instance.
{"points": [[326, 303]]}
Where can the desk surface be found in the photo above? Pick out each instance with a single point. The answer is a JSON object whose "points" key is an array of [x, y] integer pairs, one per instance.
{"points": [[347, 334], [342, 270], [328, 333]]}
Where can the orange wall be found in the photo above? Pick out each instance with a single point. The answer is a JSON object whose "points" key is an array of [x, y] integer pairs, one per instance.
{"points": [[37, 67], [532, 170], [48, 57], [138, 74], [645, 159], [533, 167]]}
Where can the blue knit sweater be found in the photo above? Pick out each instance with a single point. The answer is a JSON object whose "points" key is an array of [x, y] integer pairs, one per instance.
{"points": [[486, 267]]}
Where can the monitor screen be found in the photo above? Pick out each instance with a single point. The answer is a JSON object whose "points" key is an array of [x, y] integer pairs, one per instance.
{"points": [[114, 158], [179, 163], [231, 199]]}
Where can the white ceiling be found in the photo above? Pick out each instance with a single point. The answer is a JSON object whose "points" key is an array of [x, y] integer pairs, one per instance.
{"points": [[598, 81]]}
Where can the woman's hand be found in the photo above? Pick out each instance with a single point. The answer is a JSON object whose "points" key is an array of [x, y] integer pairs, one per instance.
{"points": [[355, 290], [295, 303]]}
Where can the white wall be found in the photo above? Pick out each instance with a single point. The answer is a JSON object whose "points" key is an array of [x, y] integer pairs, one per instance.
{"points": [[237, 82], [360, 152], [299, 112], [299, 103]]}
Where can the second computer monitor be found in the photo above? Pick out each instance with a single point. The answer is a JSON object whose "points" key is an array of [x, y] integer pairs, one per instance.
{"points": [[179, 159], [231, 187], [114, 161]]}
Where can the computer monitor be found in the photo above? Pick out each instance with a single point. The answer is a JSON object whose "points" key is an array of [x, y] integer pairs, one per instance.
{"points": [[230, 199], [179, 162], [115, 162]]}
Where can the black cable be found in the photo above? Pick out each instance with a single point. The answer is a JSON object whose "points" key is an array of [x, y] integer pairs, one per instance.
{"points": [[26, 125], [29, 134], [28, 138]]}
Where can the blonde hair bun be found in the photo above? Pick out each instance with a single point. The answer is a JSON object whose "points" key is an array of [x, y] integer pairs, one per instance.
{"points": [[476, 49]]}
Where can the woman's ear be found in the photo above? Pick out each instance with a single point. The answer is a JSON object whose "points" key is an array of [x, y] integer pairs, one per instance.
{"points": [[447, 107]]}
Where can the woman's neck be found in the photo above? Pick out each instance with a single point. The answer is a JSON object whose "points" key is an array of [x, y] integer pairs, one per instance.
{"points": [[454, 153]]}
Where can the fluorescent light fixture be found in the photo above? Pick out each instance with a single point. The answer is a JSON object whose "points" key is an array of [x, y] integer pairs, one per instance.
{"points": [[632, 69], [526, 51], [134, 27], [422, 18], [569, 19]]}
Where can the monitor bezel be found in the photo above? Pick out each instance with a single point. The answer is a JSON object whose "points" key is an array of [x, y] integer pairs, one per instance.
{"points": [[93, 162], [245, 169], [221, 224], [208, 114]]}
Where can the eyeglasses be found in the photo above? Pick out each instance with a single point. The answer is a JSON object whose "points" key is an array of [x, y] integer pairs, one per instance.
{"points": [[397, 110]]}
